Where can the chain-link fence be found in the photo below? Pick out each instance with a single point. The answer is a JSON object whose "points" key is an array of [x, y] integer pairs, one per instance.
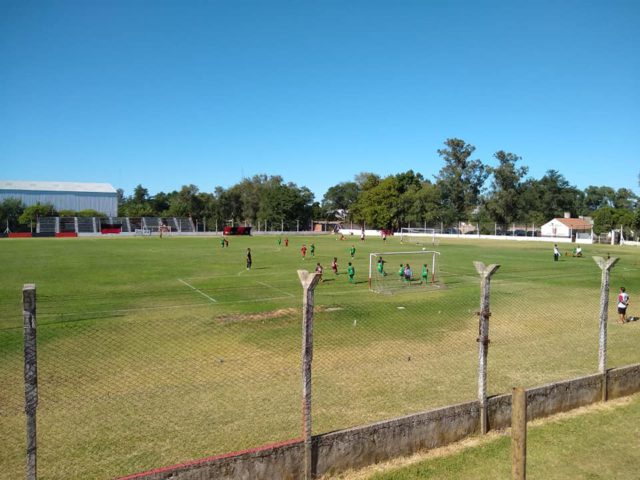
{"points": [[123, 391], [129, 393]]}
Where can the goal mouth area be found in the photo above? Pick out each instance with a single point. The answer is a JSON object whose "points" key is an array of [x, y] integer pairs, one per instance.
{"points": [[418, 236], [419, 272]]}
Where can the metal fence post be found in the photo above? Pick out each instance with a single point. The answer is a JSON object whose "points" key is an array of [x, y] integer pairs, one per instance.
{"points": [[30, 375], [483, 338], [309, 282], [605, 266]]}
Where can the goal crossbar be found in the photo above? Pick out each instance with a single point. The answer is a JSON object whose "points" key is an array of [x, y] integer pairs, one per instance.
{"points": [[422, 233]]}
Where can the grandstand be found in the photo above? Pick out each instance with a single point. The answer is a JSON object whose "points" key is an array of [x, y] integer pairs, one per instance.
{"points": [[50, 226]]}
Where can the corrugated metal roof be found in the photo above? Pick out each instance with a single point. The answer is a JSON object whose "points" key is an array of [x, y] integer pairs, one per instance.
{"points": [[57, 186]]}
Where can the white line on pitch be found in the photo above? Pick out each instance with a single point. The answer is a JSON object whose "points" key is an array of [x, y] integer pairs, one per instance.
{"points": [[200, 292], [276, 289]]}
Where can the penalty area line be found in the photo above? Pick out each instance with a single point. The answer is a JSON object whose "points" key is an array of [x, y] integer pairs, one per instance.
{"points": [[199, 291]]}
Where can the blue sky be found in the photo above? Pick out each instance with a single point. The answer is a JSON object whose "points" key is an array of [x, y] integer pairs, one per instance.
{"points": [[171, 93]]}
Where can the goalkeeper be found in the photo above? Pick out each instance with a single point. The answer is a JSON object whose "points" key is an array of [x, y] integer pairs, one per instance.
{"points": [[380, 267]]}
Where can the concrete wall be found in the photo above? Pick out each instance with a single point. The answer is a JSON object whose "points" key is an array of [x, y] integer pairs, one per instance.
{"points": [[362, 446]]}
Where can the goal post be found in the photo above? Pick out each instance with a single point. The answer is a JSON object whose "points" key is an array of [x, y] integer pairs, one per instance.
{"points": [[386, 279], [418, 235]]}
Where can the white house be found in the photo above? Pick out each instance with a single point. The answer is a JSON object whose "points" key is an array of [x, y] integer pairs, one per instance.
{"points": [[566, 228]]}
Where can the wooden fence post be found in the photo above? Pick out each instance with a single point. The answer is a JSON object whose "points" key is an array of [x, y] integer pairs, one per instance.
{"points": [[605, 266], [30, 375], [519, 434], [483, 338], [309, 282]]}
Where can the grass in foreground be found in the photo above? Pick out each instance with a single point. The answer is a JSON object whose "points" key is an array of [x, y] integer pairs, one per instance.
{"points": [[597, 442]]}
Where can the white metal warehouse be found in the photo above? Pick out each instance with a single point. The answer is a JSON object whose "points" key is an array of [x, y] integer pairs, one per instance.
{"points": [[101, 197]]}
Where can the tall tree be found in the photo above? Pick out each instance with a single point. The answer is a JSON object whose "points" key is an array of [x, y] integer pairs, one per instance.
{"points": [[598, 197], [461, 179], [160, 203], [286, 203], [606, 219], [10, 211], [550, 197], [338, 199], [625, 198], [421, 204], [504, 203], [186, 202], [229, 204], [33, 212], [140, 194], [367, 180], [378, 206]]}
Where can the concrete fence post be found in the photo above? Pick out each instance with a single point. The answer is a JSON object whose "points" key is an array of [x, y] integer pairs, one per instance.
{"points": [[30, 375], [309, 282], [483, 338], [519, 434], [605, 267]]}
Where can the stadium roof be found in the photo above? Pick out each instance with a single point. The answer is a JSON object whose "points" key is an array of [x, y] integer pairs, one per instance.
{"points": [[57, 186]]}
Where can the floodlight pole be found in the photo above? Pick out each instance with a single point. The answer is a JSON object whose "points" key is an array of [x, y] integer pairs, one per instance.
{"points": [[309, 282], [605, 266], [483, 338]]}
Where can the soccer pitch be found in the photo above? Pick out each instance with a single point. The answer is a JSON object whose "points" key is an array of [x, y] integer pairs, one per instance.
{"points": [[153, 352]]}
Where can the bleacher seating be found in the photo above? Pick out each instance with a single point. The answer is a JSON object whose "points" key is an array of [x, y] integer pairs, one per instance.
{"points": [[110, 221], [47, 225], [151, 223], [184, 224], [64, 225], [86, 225], [136, 223], [68, 224]]}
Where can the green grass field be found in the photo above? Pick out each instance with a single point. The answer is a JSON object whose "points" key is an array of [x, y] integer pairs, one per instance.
{"points": [[153, 352], [595, 443]]}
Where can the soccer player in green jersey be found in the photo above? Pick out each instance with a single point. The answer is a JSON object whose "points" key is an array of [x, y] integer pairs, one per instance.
{"points": [[425, 273], [222, 242], [351, 271], [401, 272], [380, 267], [312, 249], [352, 251]]}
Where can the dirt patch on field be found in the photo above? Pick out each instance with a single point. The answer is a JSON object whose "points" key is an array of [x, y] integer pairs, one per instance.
{"points": [[262, 316], [259, 316]]}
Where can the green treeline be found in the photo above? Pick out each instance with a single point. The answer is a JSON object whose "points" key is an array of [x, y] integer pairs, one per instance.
{"points": [[465, 189]]}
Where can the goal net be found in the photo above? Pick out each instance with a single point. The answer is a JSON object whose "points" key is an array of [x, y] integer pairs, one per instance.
{"points": [[419, 236], [390, 272]]}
